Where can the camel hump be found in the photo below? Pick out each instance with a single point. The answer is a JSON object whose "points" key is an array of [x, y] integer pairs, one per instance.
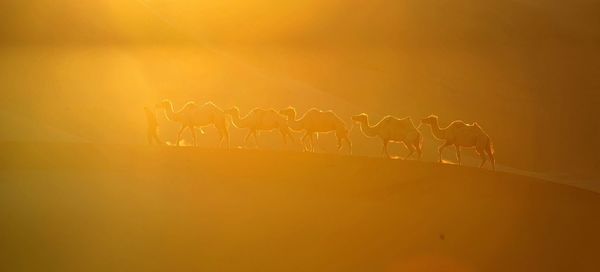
{"points": [[210, 103], [190, 105], [405, 119], [458, 124], [394, 119], [389, 118], [313, 110]]}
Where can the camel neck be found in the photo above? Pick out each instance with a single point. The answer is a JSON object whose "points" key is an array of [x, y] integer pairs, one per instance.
{"points": [[367, 129], [237, 121], [293, 123], [170, 114], [437, 131]]}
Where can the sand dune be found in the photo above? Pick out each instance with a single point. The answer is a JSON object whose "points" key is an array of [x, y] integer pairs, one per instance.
{"points": [[86, 207]]}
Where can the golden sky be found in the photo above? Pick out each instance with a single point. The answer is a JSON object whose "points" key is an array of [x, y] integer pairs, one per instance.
{"points": [[415, 23], [466, 59]]}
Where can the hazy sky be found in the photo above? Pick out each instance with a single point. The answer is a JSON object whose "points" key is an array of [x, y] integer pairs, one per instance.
{"points": [[408, 22], [73, 64]]}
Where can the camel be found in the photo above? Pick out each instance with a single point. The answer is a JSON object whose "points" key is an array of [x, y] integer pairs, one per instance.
{"points": [[460, 134], [260, 119], [392, 129], [193, 115], [317, 121]]}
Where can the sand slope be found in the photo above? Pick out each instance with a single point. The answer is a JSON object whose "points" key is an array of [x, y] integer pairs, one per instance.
{"points": [[84, 207]]}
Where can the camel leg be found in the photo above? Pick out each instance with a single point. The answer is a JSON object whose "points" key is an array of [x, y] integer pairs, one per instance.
{"points": [[419, 151], [158, 140], [490, 153], [153, 137], [411, 150], [288, 134], [255, 139], [193, 130], [385, 149], [303, 142], [221, 138], [458, 153], [483, 160], [441, 148], [150, 136], [179, 134], [482, 155], [283, 135], [224, 135], [349, 144], [247, 137], [307, 147], [341, 138], [417, 145], [291, 136], [313, 142]]}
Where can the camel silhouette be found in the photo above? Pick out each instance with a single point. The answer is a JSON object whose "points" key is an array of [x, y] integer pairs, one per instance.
{"points": [[192, 115], [317, 121], [460, 134], [392, 129], [259, 119]]}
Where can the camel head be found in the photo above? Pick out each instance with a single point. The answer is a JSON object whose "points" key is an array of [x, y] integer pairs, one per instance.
{"points": [[289, 112], [429, 120], [234, 111], [165, 104], [360, 118]]}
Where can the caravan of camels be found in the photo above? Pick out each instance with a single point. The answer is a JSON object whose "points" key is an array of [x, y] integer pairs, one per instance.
{"points": [[390, 129]]}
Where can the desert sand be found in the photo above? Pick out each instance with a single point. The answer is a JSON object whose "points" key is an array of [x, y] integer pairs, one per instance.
{"points": [[94, 207], [80, 192]]}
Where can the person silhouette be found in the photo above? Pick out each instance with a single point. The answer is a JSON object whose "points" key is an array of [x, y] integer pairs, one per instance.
{"points": [[152, 132]]}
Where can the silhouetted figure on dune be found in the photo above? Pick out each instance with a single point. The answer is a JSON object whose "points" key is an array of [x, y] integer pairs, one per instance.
{"points": [[260, 119], [315, 121], [460, 134], [152, 132], [392, 129]]}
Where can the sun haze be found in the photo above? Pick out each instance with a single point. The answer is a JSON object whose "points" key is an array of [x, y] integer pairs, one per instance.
{"points": [[299, 135]]}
